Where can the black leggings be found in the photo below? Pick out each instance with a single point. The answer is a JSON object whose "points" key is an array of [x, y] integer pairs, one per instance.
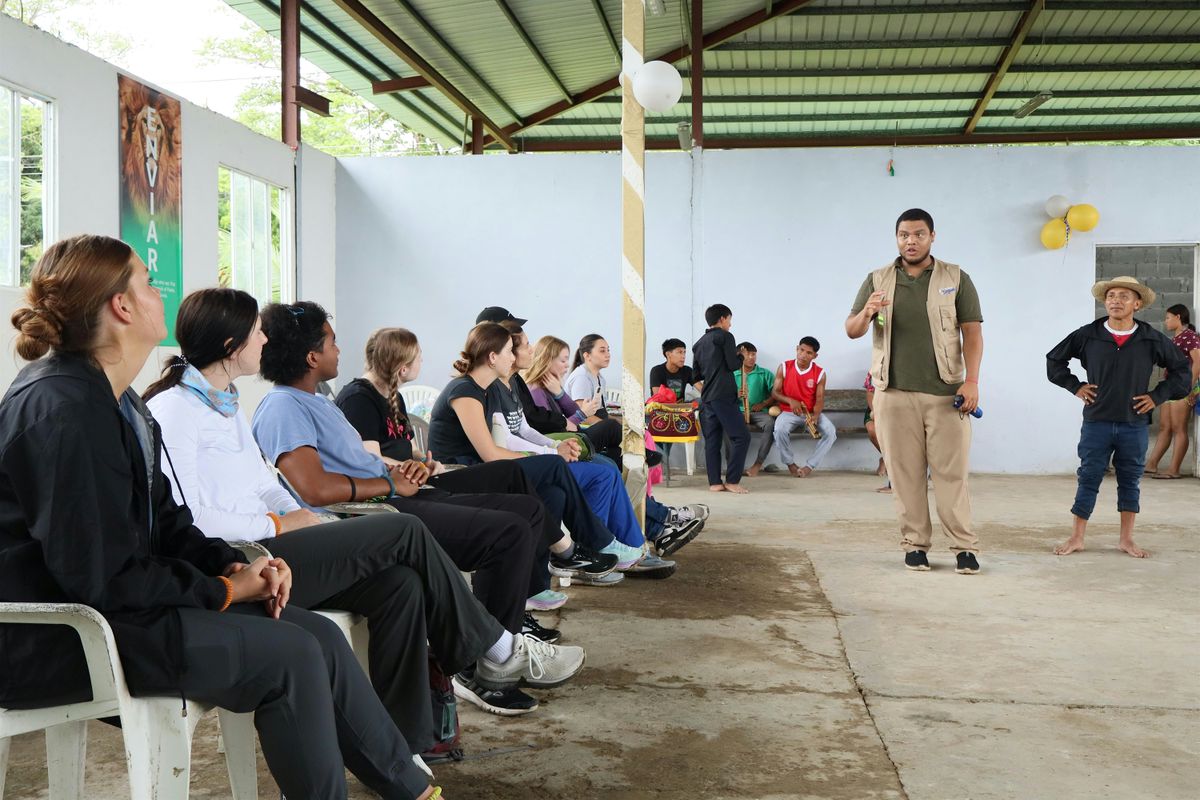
{"points": [[389, 569], [494, 536], [605, 437], [313, 707]]}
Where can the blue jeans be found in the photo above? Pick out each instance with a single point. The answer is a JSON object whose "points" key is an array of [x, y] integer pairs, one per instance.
{"points": [[1125, 444], [605, 493], [656, 518]]}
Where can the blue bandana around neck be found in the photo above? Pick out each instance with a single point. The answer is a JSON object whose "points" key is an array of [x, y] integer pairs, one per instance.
{"points": [[223, 402]]}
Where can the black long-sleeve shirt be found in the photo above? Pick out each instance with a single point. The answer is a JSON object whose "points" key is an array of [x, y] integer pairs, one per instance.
{"points": [[1119, 373], [714, 360]]}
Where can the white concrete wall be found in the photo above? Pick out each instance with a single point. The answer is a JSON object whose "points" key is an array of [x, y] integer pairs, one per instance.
{"points": [[783, 237], [84, 92]]}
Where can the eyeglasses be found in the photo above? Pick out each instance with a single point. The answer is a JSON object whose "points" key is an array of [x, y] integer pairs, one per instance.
{"points": [[920, 236]]}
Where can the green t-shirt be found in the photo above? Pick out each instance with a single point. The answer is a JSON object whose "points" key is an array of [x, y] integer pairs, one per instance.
{"points": [[914, 365], [761, 381]]}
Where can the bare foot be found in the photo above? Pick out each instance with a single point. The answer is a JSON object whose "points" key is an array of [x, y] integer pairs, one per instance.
{"points": [[754, 470], [717, 487], [736, 488], [884, 490], [881, 470], [1127, 546], [792, 468], [1149, 471], [804, 472], [1072, 545]]}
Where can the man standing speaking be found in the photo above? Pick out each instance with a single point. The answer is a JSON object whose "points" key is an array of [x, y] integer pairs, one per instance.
{"points": [[927, 343]]}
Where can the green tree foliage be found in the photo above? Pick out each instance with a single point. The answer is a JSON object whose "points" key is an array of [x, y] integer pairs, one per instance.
{"points": [[354, 126], [32, 181]]}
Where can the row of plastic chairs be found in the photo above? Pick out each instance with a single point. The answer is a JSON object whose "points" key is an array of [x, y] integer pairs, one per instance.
{"points": [[157, 734]]}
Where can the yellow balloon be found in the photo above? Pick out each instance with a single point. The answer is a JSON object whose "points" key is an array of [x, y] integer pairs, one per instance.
{"points": [[1054, 234], [1083, 217]]}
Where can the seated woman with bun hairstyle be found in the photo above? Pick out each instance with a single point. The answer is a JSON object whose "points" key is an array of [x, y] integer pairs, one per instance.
{"points": [[86, 516]]}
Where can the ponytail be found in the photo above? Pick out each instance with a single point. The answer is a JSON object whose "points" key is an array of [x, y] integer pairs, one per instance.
{"points": [[1185, 316], [586, 345]]}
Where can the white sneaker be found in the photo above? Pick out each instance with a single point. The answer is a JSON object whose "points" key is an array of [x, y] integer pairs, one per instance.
{"points": [[533, 663]]}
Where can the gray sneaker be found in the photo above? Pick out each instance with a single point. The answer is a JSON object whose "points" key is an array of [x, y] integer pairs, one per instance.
{"points": [[532, 663], [652, 567], [612, 579]]}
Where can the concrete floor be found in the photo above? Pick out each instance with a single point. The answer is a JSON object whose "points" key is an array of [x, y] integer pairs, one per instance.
{"points": [[792, 656]]}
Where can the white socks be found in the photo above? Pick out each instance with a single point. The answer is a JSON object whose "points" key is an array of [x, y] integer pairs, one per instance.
{"points": [[502, 650]]}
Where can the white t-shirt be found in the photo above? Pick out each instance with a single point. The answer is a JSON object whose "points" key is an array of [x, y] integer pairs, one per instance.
{"points": [[582, 385], [219, 472]]}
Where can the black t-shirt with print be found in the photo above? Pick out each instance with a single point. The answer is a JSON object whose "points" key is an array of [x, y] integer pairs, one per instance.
{"points": [[675, 381], [367, 410], [448, 441], [503, 400]]}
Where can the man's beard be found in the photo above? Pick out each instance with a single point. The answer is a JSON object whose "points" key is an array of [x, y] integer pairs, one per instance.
{"points": [[908, 260]]}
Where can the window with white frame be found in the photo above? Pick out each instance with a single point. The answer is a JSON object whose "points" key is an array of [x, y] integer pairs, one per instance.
{"points": [[252, 233], [25, 183]]}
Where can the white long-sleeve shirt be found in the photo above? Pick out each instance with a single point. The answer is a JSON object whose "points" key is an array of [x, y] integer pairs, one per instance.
{"points": [[218, 470]]}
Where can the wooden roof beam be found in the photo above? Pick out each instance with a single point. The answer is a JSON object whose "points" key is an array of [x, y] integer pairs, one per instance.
{"points": [[1024, 25], [551, 145], [390, 39], [711, 39]]}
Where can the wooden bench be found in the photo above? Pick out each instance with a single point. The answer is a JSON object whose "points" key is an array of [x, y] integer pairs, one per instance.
{"points": [[837, 401]]}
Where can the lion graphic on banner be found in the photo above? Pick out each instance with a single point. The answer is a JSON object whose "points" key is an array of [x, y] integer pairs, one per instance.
{"points": [[151, 143]]}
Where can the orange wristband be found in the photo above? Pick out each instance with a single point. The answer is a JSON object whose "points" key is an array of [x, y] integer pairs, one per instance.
{"points": [[278, 522], [228, 592]]}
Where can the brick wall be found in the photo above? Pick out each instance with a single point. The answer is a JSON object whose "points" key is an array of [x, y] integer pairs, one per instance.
{"points": [[1169, 270]]}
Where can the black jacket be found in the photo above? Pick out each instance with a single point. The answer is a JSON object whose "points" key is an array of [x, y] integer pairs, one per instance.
{"points": [[543, 420], [84, 520], [1119, 373], [714, 360]]}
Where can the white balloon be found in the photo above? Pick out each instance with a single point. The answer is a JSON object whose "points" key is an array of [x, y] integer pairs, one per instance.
{"points": [[1057, 206], [657, 86]]}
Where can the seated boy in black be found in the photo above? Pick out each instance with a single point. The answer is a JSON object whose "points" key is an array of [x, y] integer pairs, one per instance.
{"points": [[674, 373]]}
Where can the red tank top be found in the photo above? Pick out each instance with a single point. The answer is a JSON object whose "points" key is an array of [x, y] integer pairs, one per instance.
{"points": [[802, 385]]}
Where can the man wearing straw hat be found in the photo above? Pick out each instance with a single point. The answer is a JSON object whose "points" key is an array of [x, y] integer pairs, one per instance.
{"points": [[1119, 353]]}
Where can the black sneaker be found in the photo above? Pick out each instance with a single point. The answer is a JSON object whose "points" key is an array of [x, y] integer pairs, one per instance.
{"points": [[583, 563], [916, 559], [675, 537], [967, 563], [510, 702], [535, 629]]}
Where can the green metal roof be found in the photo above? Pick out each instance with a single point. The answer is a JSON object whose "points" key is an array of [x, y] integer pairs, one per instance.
{"points": [[782, 72]]}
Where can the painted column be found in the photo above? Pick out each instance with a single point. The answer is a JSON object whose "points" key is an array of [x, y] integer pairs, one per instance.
{"points": [[633, 255]]}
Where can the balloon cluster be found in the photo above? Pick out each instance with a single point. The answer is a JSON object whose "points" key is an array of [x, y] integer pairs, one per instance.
{"points": [[1065, 219]]}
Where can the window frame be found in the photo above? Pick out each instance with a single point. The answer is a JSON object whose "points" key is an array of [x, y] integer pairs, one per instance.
{"points": [[288, 276], [10, 266]]}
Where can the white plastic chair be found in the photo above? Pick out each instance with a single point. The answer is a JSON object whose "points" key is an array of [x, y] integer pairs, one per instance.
{"points": [[419, 400], [158, 735]]}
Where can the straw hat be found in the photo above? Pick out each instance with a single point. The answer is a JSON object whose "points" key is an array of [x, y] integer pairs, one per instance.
{"points": [[1125, 282]]}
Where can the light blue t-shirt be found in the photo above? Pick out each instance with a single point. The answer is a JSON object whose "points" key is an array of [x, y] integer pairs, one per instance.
{"points": [[288, 419]]}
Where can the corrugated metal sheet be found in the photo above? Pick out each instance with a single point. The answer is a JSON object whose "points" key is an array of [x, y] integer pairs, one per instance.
{"points": [[787, 77]]}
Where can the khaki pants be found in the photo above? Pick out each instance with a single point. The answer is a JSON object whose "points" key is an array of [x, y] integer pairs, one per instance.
{"points": [[916, 431]]}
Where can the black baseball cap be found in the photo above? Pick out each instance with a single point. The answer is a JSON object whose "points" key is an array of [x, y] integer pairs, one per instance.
{"points": [[498, 314]]}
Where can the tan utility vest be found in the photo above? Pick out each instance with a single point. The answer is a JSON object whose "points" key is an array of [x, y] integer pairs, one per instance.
{"points": [[943, 323]]}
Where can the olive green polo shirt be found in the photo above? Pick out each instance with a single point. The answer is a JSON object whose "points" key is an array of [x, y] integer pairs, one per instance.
{"points": [[913, 363]]}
